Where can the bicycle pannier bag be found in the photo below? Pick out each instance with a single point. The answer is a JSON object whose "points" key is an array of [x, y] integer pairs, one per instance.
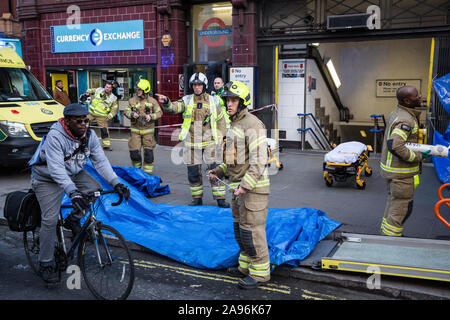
{"points": [[22, 211]]}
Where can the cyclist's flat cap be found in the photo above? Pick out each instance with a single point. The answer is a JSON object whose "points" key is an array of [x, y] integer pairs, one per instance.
{"points": [[75, 110]]}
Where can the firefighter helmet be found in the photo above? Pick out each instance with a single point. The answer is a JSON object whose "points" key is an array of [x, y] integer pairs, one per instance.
{"points": [[198, 78], [144, 85], [237, 89]]}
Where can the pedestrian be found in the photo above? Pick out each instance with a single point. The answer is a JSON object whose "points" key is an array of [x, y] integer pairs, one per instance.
{"points": [[116, 87], [245, 165], [68, 146], [103, 107], [218, 86], [202, 131], [59, 94], [399, 165], [143, 111]]}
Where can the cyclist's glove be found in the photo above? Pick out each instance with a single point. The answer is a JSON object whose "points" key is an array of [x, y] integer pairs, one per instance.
{"points": [[79, 201], [122, 190]]}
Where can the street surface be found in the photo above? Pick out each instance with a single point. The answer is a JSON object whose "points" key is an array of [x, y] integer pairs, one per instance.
{"points": [[299, 184]]}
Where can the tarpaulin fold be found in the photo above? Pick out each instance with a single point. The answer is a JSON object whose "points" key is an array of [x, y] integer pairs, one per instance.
{"points": [[442, 88], [203, 236]]}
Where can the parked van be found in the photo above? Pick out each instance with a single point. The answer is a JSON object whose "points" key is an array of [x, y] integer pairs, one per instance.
{"points": [[27, 110]]}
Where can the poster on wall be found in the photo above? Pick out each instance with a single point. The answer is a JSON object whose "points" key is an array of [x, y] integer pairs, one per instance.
{"points": [[292, 68], [387, 88], [246, 76]]}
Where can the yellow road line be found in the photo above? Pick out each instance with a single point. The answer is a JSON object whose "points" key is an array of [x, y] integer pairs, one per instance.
{"points": [[211, 276]]}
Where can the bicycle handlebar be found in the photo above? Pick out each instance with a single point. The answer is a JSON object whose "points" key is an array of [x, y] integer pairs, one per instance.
{"points": [[99, 193]]}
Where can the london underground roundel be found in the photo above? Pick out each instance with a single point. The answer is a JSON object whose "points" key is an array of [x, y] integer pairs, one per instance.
{"points": [[222, 32]]}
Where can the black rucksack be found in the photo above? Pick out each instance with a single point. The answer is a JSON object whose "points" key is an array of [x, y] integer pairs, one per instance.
{"points": [[22, 211]]}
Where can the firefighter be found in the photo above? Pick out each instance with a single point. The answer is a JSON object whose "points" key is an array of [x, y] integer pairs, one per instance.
{"points": [[202, 131], [399, 165], [103, 107], [219, 86], [245, 164], [143, 111]]}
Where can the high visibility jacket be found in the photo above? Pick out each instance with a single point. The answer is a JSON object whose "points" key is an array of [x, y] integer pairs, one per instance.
{"points": [[223, 105], [102, 104], [203, 121], [245, 154], [143, 107], [397, 161]]}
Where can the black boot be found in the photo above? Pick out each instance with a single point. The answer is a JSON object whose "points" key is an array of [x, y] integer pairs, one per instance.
{"points": [[48, 272], [222, 203], [73, 224], [250, 283], [196, 202]]}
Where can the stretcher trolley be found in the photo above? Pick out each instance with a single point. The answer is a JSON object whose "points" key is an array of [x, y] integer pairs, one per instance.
{"points": [[272, 148], [348, 159]]}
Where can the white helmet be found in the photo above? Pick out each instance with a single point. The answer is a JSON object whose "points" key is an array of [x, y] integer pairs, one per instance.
{"points": [[198, 78]]}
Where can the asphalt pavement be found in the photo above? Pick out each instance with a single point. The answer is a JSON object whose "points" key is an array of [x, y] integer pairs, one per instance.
{"points": [[301, 184]]}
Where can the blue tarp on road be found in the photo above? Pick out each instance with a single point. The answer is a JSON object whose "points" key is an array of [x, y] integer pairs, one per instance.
{"points": [[203, 236], [442, 88]]}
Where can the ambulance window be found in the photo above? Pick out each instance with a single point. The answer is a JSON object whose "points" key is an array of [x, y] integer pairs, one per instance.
{"points": [[19, 85]]}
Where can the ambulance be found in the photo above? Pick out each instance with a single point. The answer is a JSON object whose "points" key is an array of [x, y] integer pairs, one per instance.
{"points": [[27, 110]]}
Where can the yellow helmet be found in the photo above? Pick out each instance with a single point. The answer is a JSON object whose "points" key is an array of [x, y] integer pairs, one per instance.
{"points": [[237, 89], [144, 85]]}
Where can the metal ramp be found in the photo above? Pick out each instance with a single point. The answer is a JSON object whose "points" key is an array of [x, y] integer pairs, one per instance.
{"points": [[394, 256]]}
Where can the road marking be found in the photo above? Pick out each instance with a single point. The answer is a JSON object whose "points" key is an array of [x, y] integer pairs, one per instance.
{"points": [[211, 276], [322, 296]]}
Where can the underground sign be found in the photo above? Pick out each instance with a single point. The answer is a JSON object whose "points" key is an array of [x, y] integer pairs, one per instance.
{"points": [[222, 32]]}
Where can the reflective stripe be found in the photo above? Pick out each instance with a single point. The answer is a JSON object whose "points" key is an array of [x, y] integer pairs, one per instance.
{"points": [[256, 143], [398, 170], [234, 185], [136, 164], [223, 166], [199, 144], [148, 168], [143, 131], [244, 261], [249, 180], [196, 191], [261, 270], [390, 230], [218, 190], [238, 132], [412, 156], [401, 133]]}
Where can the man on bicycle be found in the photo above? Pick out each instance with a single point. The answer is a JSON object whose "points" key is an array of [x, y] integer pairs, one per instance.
{"points": [[63, 155]]}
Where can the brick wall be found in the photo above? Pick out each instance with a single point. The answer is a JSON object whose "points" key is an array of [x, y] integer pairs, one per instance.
{"points": [[146, 56]]}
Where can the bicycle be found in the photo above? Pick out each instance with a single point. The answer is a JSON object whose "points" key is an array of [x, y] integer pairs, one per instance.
{"points": [[103, 255]]}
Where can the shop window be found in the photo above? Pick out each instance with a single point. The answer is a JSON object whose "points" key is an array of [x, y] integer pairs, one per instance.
{"points": [[212, 31]]}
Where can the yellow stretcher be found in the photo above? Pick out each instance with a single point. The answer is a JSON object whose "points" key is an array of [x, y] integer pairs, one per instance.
{"points": [[340, 172], [272, 149]]}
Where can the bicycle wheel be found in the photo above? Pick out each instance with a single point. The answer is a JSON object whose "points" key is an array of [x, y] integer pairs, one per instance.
{"points": [[106, 263], [31, 245]]}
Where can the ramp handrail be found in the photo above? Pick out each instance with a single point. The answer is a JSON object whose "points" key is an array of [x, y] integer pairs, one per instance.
{"points": [[318, 140], [319, 127], [440, 202]]}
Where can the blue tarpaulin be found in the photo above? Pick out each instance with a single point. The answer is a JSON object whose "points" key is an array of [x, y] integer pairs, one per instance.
{"points": [[203, 236], [442, 88], [442, 165]]}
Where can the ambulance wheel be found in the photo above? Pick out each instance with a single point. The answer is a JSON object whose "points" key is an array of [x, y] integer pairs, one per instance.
{"points": [[328, 183], [361, 187], [368, 172]]}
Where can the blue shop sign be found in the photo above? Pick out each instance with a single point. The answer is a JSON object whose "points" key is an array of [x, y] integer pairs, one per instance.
{"points": [[107, 36], [14, 44]]}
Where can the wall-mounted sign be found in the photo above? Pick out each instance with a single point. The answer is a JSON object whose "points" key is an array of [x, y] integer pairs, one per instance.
{"points": [[387, 88], [219, 34], [107, 36], [292, 68], [166, 40], [14, 44], [246, 76]]}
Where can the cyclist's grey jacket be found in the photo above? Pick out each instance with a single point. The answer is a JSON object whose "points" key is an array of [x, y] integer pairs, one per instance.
{"points": [[59, 145]]}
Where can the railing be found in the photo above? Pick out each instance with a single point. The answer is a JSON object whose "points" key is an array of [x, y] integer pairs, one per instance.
{"points": [[320, 130], [440, 202]]}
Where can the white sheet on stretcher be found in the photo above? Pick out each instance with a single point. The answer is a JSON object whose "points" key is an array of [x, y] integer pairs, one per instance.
{"points": [[347, 152]]}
